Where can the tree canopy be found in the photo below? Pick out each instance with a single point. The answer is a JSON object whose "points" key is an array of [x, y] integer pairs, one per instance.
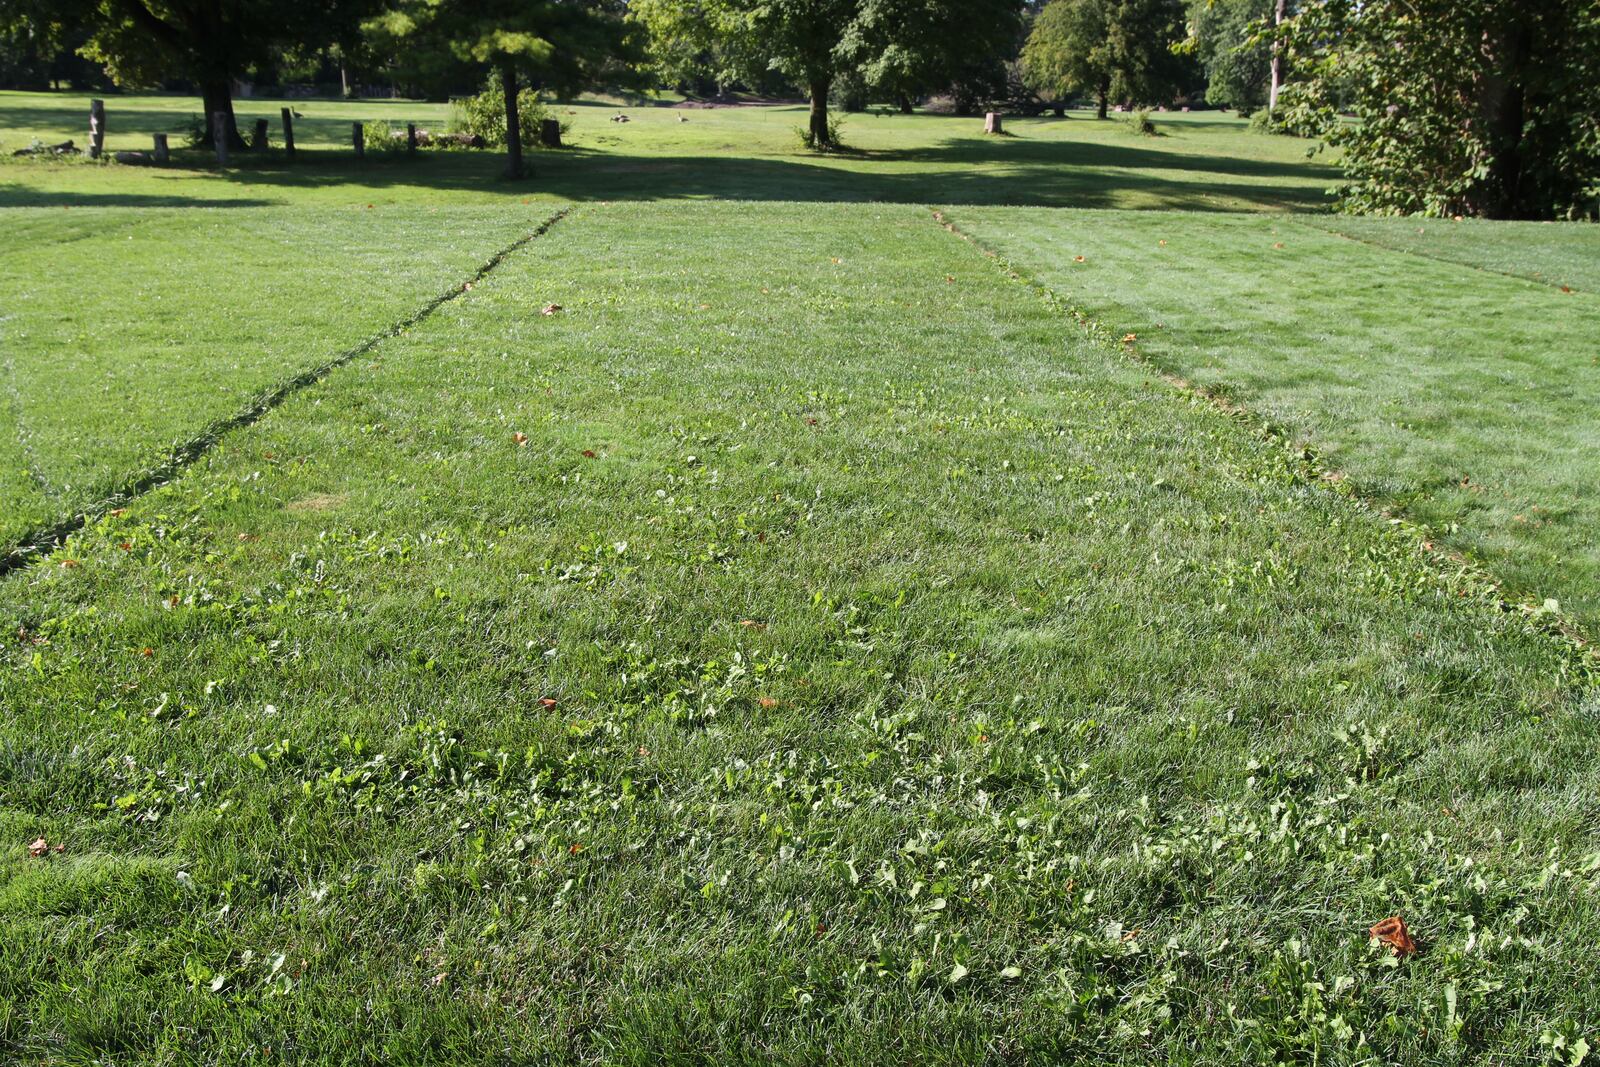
{"points": [[1109, 48], [1461, 107]]}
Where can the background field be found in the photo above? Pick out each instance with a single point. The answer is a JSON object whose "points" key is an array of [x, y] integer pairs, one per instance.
{"points": [[806, 644], [1210, 161]]}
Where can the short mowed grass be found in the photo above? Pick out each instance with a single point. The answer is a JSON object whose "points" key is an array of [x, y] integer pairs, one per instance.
{"points": [[126, 332], [1425, 368], [804, 646], [751, 624]]}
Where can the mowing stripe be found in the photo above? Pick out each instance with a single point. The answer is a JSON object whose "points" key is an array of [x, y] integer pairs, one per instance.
{"points": [[1437, 259], [1534, 611], [41, 542]]}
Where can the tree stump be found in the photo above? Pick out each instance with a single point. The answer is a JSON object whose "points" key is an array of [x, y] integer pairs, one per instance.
{"points": [[97, 128], [550, 133], [288, 131], [991, 123], [219, 136], [358, 138], [258, 140], [411, 138], [161, 153]]}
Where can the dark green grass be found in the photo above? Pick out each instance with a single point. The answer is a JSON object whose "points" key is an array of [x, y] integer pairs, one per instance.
{"points": [[124, 332], [929, 685], [1206, 161], [1462, 397]]}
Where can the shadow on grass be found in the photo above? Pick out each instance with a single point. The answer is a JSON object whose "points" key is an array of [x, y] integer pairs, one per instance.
{"points": [[959, 170]]}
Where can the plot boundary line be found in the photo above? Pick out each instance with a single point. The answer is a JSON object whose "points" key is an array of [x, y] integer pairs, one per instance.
{"points": [[1559, 286], [1484, 584], [39, 543]]}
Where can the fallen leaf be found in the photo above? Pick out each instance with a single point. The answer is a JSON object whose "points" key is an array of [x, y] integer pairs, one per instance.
{"points": [[39, 847], [68, 564], [1129, 338], [118, 511], [548, 702], [769, 702], [574, 848], [751, 624], [1077, 259], [950, 278], [126, 546], [520, 438], [59, 848], [836, 259], [1392, 932], [147, 652], [1163, 244], [1566, 288], [588, 453], [1277, 244], [551, 309]]}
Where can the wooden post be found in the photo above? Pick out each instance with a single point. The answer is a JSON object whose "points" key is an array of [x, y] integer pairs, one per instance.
{"points": [[97, 128], [288, 131], [358, 137], [991, 123], [411, 138], [550, 133], [259, 140], [219, 136], [161, 153]]}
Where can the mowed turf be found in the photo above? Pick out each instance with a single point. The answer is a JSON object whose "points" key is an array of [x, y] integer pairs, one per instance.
{"points": [[1205, 161], [1459, 395], [802, 647], [125, 332]]}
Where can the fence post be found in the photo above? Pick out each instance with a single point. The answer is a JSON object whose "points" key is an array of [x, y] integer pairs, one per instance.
{"points": [[411, 138], [219, 136], [358, 137], [161, 148], [97, 128], [288, 131], [259, 140]]}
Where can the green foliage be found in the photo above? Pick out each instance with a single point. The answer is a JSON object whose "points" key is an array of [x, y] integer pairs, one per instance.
{"points": [[378, 137], [1139, 122], [484, 115], [1482, 107], [1232, 44], [1112, 49], [832, 142]]}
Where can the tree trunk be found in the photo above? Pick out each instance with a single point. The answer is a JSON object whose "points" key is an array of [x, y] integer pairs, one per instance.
{"points": [[1502, 102], [819, 113], [906, 107], [508, 85], [1104, 95], [217, 93], [1277, 63]]}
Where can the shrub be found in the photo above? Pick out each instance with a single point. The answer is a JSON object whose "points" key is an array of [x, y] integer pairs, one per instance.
{"points": [[379, 136], [1139, 122], [835, 124], [484, 116]]}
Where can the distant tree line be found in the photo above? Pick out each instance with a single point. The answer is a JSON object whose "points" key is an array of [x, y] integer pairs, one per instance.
{"points": [[1483, 107]]}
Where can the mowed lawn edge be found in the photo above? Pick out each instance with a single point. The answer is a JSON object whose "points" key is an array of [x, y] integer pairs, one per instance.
{"points": [[1528, 537], [38, 542], [803, 646]]}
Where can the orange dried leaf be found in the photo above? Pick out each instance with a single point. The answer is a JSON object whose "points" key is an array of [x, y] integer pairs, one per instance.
{"points": [[1077, 259], [551, 309], [520, 438], [751, 624], [39, 847], [548, 702], [769, 702], [589, 453], [1392, 932], [1129, 338]]}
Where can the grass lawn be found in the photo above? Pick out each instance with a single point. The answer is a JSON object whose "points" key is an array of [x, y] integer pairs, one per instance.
{"points": [[1462, 397], [1206, 161], [114, 347], [803, 643]]}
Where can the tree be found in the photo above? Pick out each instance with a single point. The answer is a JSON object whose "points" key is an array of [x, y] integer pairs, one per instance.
{"points": [[1461, 107], [896, 45], [1235, 50], [560, 45], [207, 42], [909, 48], [1122, 48]]}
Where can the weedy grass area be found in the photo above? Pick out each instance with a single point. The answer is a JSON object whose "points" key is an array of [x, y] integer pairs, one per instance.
{"points": [[1205, 161], [126, 332], [798, 645], [1447, 387]]}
